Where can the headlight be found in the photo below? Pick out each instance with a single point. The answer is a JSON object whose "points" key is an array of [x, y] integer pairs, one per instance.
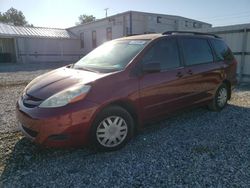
{"points": [[66, 96]]}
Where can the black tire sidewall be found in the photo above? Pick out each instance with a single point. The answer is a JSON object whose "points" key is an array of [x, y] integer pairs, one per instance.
{"points": [[112, 111]]}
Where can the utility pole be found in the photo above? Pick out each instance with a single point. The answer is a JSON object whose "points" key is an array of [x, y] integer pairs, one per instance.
{"points": [[106, 10]]}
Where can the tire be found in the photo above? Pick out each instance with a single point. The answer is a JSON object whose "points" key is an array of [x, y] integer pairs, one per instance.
{"points": [[112, 129], [220, 98]]}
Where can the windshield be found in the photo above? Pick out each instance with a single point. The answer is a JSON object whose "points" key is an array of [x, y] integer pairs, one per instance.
{"points": [[111, 56]]}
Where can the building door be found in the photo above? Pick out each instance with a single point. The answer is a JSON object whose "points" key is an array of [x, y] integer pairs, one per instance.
{"points": [[109, 33], [7, 50], [94, 39]]}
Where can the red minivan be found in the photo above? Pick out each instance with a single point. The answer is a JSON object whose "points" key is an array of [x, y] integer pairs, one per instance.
{"points": [[114, 90]]}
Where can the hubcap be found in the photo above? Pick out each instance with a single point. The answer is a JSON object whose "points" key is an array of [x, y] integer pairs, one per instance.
{"points": [[112, 131], [222, 97]]}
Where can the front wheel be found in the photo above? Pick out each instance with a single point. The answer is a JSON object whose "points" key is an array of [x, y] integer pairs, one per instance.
{"points": [[220, 99], [112, 129]]}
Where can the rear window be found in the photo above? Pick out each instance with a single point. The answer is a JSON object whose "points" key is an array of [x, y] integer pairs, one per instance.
{"points": [[222, 51], [196, 51]]}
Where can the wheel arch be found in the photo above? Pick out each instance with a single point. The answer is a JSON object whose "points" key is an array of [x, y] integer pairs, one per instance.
{"points": [[128, 106]]}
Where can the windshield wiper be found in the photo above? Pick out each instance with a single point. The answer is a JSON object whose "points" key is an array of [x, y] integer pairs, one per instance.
{"points": [[86, 69]]}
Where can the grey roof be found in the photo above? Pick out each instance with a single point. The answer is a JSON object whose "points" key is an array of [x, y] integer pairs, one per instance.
{"points": [[38, 32]]}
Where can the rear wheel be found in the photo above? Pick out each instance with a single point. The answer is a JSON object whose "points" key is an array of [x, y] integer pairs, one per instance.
{"points": [[112, 128], [220, 99]]}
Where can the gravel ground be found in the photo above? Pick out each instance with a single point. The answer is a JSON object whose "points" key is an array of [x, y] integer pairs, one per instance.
{"points": [[13, 79], [197, 148], [8, 98], [21, 74]]}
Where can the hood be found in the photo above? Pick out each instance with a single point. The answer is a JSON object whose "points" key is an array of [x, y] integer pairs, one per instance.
{"points": [[55, 81]]}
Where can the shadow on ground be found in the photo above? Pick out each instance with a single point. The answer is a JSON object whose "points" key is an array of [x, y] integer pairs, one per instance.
{"points": [[195, 148]]}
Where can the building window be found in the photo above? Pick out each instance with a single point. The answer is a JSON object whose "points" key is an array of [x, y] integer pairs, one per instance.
{"points": [[109, 33], [196, 25], [159, 19], [94, 39], [82, 40], [186, 23]]}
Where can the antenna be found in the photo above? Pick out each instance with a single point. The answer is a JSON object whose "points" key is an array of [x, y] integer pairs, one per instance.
{"points": [[106, 10]]}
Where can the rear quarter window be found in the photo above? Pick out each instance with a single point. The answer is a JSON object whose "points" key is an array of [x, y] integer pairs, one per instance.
{"points": [[222, 51], [196, 51]]}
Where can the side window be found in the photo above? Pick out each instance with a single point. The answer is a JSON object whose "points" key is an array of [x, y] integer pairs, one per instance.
{"points": [[164, 52], [222, 51], [196, 51]]}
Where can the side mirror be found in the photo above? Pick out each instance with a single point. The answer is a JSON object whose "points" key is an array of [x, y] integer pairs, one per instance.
{"points": [[69, 66], [151, 67]]}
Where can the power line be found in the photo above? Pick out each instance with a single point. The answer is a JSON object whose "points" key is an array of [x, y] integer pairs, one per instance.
{"points": [[230, 17], [225, 16]]}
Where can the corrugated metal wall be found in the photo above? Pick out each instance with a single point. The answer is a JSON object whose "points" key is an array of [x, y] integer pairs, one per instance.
{"points": [[47, 50], [238, 39]]}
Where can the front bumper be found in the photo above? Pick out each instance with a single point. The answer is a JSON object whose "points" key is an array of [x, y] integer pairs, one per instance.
{"points": [[59, 127]]}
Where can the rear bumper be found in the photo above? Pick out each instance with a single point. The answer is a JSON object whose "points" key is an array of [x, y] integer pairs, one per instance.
{"points": [[57, 127]]}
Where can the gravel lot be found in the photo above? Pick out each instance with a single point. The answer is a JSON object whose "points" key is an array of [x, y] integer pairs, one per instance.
{"points": [[21, 74], [197, 148], [13, 79]]}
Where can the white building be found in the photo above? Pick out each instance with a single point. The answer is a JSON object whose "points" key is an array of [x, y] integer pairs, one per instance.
{"points": [[130, 23], [37, 44]]}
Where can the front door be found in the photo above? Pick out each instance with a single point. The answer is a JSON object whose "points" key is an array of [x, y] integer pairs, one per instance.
{"points": [[162, 92]]}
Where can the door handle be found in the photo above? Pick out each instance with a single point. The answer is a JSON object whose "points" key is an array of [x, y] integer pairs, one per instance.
{"points": [[179, 74], [190, 72]]}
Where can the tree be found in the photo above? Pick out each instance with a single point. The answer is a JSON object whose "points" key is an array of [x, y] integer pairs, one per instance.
{"points": [[13, 16], [1, 17], [85, 19], [29, 25]]}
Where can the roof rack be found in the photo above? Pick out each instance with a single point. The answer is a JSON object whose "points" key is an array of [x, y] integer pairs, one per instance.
{"points": [[130, 35], [189, 32]]}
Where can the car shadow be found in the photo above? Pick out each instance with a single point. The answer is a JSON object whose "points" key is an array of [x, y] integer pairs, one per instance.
{"points": [[189, 133]]}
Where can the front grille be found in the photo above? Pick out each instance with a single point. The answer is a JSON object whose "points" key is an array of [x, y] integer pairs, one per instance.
{"points": [[30, 132], [30, 101]]}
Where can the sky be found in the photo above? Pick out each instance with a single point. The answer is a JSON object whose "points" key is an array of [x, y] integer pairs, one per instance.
{"points": [[64, 13]]}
